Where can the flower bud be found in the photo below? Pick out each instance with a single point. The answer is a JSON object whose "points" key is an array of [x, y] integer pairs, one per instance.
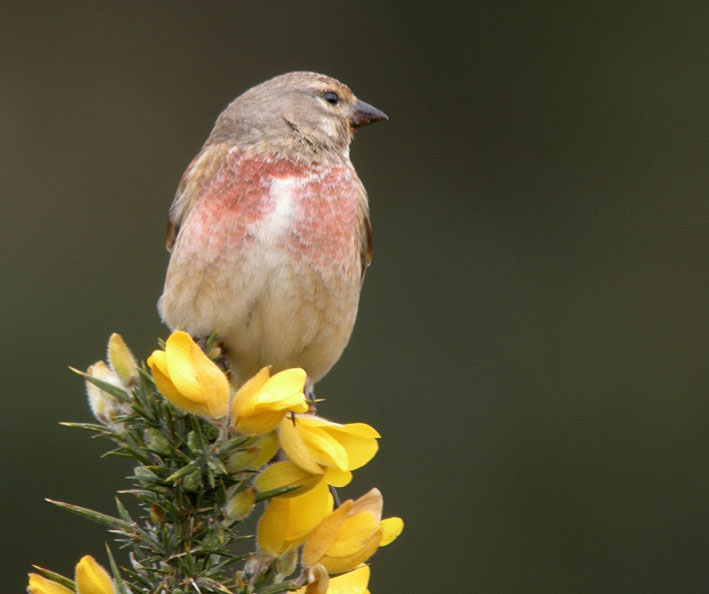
{"points": [[157, 515], [145, 474], [194, 442], [252, 565], [215, 538], [91, 578], [156, 441], [286, 564], [216, 352], [240, 505], [261, 449], [121, 360], [192, 481], [104, 406]]}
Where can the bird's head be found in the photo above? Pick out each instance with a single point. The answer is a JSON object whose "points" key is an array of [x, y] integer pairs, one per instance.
{"points": [[305, 113]]}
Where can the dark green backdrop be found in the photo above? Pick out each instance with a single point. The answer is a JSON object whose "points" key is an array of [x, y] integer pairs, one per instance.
{"points": [[532, 336]]}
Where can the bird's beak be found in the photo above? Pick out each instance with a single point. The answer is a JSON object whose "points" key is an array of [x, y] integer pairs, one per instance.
{"points": [[364, 114]]}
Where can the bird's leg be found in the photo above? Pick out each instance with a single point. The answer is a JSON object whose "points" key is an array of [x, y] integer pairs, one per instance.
{"points": [[310, 395], [335, 497]]}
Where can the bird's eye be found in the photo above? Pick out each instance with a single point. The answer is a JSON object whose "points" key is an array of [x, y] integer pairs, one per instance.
{"points": [[331, 97]]}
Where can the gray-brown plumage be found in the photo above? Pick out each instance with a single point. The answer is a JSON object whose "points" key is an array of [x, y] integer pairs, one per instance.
{"points": [[269, 230]]}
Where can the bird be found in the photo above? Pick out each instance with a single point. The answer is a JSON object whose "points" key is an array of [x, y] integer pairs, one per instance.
{"points": [[269, 231]]}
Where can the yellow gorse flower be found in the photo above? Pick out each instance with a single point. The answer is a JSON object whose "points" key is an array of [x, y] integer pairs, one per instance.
{"points": [[287, 520], [322, 447], [263, 401], [351, 534], [91, 578], [189, 379], [41, 585]]}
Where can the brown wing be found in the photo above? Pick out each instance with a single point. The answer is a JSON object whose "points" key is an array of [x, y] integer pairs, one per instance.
{"points": [[365, 247], [202, 169]]}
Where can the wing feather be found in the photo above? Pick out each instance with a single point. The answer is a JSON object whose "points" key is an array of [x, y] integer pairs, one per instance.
{"points": [[365, 247], [202, 168]]}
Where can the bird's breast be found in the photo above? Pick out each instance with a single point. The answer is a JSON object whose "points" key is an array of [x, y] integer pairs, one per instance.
{"points": [[304, 211]]}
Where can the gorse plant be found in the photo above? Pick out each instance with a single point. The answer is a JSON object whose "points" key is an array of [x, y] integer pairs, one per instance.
{"points": [[206, 456]]}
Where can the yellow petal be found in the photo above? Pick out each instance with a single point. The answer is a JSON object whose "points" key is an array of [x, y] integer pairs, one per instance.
{"points": [[329, 444], [215, 386], [336, 477], [217, 397], [287, 520], [158, 365], [156, 362], [266, 401], [342, 564], [195, 375], [181, 361], [286, 474], [391, 528], [322, 537], [248, 391], [315, 421], [324, 448], [91, 578], [259, 423], [283, 391], [294, 446], [41, 585], [371, 502], [359, 441], [355, 531], [352, 582], [360, 430], [286, 382]]}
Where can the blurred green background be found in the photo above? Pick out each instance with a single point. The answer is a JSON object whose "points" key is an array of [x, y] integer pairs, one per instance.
{"points": [[532, 336]]}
